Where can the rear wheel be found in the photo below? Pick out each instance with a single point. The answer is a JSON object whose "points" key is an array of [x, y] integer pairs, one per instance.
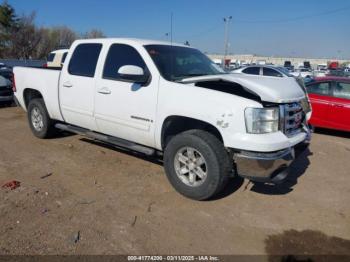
{"points": [[197, 164], [40, 122]]}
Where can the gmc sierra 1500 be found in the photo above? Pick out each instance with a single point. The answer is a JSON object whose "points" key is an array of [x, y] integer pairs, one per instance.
{"points": [[155, 97]]}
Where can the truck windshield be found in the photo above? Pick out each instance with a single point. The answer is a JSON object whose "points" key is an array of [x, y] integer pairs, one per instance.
{"points": [[176, 63]]}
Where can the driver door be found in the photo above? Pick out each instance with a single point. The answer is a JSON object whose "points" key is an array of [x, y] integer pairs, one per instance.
{"points": [[320, 95], [125, 109], [340, 106]]}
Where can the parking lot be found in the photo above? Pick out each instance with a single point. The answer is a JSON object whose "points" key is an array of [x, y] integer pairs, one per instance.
{"points": [[80, 197]]}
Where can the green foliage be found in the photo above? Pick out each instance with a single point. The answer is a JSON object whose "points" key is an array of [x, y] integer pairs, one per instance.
{"points": [[8, 22], [21, 38], [8, 18]]}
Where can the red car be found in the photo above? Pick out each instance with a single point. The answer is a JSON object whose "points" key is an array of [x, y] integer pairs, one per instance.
{"points": [[330, 100]]}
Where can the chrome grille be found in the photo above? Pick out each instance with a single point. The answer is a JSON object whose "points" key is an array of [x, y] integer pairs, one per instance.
{"points": [[292, 118]]}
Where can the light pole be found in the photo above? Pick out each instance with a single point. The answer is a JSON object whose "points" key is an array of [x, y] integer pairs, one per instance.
{"points": [[227, 22]]}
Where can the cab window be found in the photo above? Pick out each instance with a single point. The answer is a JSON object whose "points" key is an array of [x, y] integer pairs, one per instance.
{"points": [[252, 71], [84, 60], [120, 55], [271, 72], [342, 90], [318, 88]]}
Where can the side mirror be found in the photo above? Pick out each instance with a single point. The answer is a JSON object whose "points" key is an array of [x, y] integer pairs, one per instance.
{"points": [[131, 73]]}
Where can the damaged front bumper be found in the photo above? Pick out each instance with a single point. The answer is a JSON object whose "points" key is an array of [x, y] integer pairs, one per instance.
{"points": [[264, 167], [272, 167], [269, 167]]}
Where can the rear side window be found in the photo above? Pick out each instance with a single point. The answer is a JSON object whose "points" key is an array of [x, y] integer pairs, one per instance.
{"points": [[50, 57], [271, 72], [342, 90], [84, 60], [318, 88], [120, 55], [252, 71]]}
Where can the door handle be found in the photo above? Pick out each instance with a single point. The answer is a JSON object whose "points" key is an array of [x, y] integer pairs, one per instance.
{"points": [[104, 90], [67, 84]]}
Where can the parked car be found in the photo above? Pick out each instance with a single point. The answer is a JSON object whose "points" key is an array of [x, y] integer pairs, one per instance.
{"points": [[307, 65], [347, 68], [333, 65], [263, 70], [302, 72], [6, 76], [340, 72], [322, 67], [288, 65], [330, 100], [7, 73], [217, 61], [56, 58], [171, 100], [2, 65], [6, 94]]}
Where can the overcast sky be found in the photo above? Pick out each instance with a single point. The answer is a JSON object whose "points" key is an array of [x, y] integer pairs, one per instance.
{"points": [[313, 28]]}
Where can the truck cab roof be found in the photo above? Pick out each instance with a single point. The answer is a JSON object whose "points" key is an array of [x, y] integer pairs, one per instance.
{"points": [[138, 41]]}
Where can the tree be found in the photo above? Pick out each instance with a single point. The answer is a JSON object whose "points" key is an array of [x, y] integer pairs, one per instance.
{"points": [[55, 38], [66, 36], [94, 33], [8, 16], [25, 38], [21, 38], [8, 22]]}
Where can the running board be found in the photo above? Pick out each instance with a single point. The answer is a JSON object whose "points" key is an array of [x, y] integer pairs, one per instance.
{"points": [[107, 139]]}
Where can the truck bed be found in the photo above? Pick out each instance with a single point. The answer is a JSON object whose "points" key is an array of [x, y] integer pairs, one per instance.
{"points": [[42, 80]]}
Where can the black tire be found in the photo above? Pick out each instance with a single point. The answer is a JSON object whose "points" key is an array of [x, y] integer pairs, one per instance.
{"points": [[218, 164], [47, 129]]}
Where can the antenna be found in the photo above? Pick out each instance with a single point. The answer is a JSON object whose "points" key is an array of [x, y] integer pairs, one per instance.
{"points": [[227, 23], [171, 45], [171, 28]]}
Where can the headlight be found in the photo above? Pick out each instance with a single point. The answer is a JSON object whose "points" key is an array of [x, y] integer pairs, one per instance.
{"points": [[262, 120]]}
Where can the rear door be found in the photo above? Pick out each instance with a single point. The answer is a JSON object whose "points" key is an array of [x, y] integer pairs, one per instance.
{"points": [[319, 95], [77, 86], [340, 106]]}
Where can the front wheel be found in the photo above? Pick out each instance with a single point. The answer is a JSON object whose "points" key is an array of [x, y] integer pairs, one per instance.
{"points": [[40, 122], [197, 164]]}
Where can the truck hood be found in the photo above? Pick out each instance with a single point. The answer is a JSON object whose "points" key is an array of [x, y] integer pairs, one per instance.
{"points": [[269, 89]]}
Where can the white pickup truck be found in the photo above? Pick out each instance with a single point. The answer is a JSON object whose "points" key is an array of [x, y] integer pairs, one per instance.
{"points": [[171, 100]]}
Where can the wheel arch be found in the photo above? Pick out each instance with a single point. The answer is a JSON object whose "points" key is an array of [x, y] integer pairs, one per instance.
{"points": [[30, 94], [175, 124]]}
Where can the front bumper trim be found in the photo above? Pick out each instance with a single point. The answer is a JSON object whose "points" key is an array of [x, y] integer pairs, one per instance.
{"points": [[264, 167]]}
